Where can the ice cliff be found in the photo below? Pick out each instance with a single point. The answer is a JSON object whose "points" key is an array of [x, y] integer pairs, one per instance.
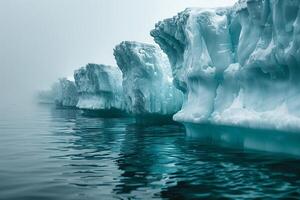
{"points": [[64, 93], [147, 79], [99, 87], [237, 66]]}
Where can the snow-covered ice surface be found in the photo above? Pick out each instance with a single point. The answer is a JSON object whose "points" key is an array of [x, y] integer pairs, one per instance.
{"points": [[64, 93], [147, 79], [99, 87], [237, 66]]}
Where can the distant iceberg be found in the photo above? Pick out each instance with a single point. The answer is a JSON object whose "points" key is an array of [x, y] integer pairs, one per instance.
{"points": [[65, 93], [62, 93], [99, 88], [45, 97], [147, 80], [236, 66]]}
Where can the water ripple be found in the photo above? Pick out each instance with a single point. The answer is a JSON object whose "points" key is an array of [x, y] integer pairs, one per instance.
{"points": [[60, 154]]}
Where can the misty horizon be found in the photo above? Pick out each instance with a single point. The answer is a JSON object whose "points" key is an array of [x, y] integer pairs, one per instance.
{"points": [[42, 41], [149, 99]]}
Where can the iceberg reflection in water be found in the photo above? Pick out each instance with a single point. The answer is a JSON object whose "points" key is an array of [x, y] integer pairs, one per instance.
{"points": [[236, 137], [47, 153]]}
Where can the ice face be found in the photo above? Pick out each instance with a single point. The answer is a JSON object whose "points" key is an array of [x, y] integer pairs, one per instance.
{"points": [[236, 66], [99, 87], [147, 79], [65, 93]]}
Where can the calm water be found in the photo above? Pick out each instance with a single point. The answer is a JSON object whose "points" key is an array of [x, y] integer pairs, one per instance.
{"points": [[59, 154]]}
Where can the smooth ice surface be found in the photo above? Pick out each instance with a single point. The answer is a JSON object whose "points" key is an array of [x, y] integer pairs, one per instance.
{"points": [[147, 79], [99, 87], [237, 66], [64, 93]]}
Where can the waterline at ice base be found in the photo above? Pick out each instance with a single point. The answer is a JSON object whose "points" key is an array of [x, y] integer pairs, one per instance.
{"points": [[100, 90], [245, 138], [237, 66], [232, 71], [150, 95]]}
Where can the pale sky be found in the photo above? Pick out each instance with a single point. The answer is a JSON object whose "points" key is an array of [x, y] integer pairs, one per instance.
{"points": [[42, 40]]}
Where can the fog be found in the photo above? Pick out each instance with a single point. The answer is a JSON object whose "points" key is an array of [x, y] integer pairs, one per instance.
{"points": [[42, 40]]}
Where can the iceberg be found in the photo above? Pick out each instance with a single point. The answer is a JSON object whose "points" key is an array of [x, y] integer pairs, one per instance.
{"points": [[237, 66], [99, 88], [45, 97], [147, 80], [64, 93]]}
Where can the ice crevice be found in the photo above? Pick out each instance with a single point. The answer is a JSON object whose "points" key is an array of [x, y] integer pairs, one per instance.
{"points": [[99, 87], [236, 66], [147, 80]]}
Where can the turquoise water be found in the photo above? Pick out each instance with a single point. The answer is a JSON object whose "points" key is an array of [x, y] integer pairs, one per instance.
{"points": [[46, 153]]}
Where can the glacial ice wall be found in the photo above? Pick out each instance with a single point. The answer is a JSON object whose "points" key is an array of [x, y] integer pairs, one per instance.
{"points": [[147, 79], [236, 66], [99, 87], [64, 93]]}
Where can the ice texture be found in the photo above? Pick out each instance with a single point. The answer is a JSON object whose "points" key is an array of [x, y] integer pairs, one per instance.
{"points": [[147, 79], [237, 66], [65, 93], [99, 87]]}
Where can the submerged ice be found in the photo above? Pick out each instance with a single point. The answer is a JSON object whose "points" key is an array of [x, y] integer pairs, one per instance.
{"points": [[236, 66], [147, 79], [99, 87]]}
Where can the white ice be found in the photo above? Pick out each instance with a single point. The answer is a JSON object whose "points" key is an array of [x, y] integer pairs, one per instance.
{"points": [[237, 66], [147, 79], [99, 87]]}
